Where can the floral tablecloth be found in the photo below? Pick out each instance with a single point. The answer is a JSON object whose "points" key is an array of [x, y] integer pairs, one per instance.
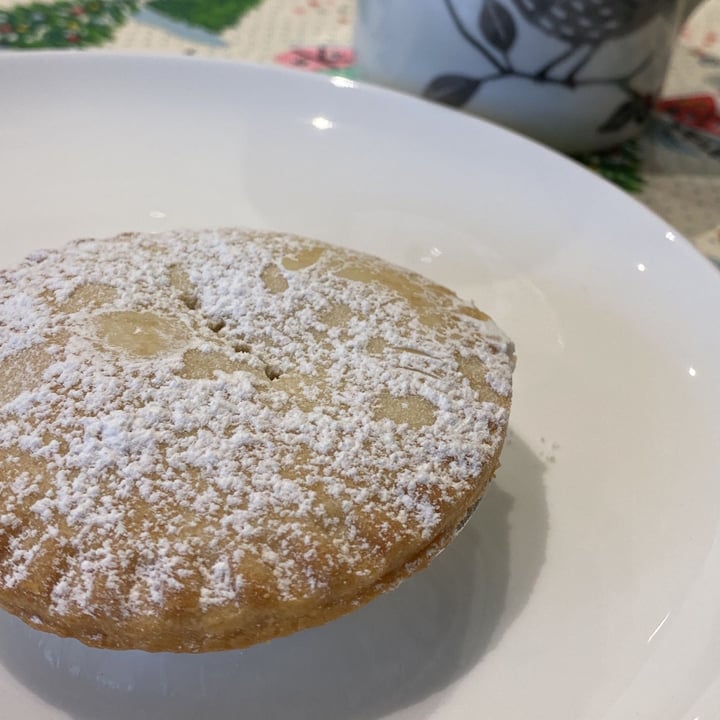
{"points": [[674, 169]]}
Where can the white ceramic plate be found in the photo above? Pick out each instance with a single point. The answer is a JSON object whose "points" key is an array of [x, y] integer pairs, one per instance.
{"points": [[587, 586]]}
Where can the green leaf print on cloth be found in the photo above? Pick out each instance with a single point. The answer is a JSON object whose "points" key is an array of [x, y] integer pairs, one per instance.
{"points": [[622, 166], [63, 24], [214, 16]]}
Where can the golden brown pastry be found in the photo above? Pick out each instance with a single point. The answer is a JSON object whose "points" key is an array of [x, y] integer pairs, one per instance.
{"points": [[211, 439]]}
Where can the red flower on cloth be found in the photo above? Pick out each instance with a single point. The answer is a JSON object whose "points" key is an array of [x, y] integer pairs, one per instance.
{"points": [[317, 58], [695, 111]]}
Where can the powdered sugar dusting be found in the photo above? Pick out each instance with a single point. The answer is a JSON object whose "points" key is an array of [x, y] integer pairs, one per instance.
{"points": [[180, 426]]}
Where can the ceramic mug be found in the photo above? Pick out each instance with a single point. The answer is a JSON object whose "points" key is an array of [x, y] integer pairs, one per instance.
{"points": [[575, 74]]}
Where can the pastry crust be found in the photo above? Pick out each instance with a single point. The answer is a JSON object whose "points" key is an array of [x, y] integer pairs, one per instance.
{"points": [[211, 439]]}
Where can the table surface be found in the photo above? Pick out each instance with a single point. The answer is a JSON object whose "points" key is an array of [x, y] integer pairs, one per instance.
{"points": [[674, 169]]}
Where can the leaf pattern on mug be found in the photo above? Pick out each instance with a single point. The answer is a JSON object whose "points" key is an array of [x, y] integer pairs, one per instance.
{"points": [[453, 90], [581, 22], [634, 110], [497, 25]]}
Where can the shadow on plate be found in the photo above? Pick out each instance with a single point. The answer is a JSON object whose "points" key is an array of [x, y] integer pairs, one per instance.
{"points": [[399, 652]]}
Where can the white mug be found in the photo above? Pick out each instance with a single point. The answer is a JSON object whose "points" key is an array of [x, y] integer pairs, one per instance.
{"points": [[575, 74]]}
